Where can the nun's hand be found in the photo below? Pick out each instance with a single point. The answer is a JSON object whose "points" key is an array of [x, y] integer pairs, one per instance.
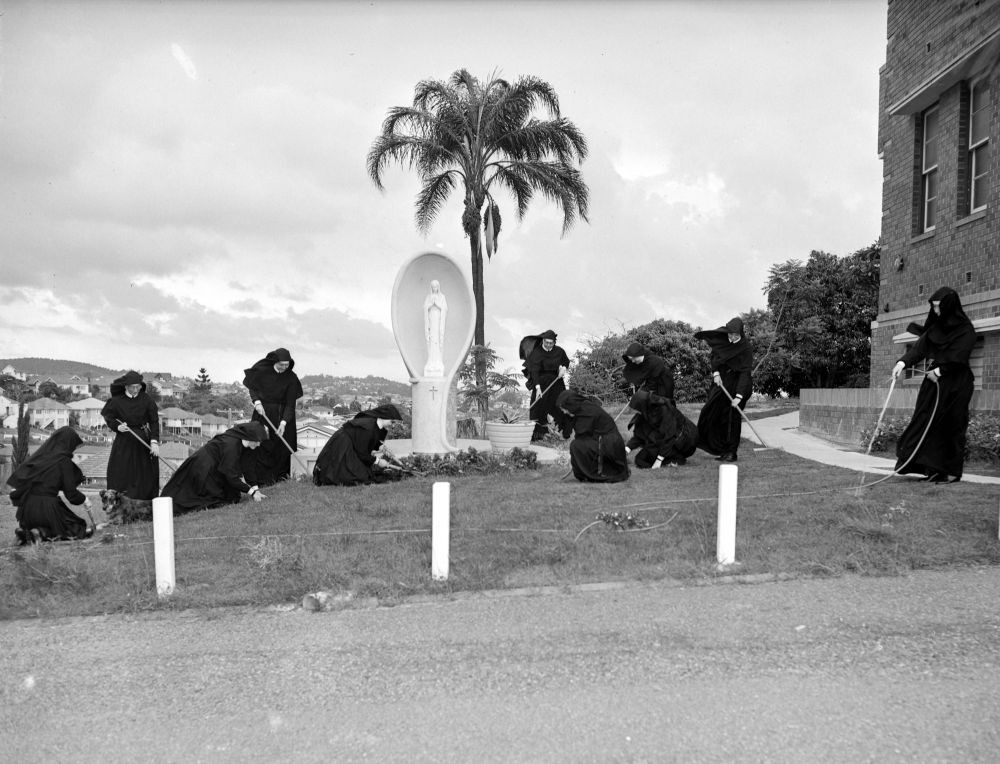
{"points": [[154, 448], [258, 407], [123, 427], [898, 369], [934, 374], [716, 378], [281, 427], [736, 401]]}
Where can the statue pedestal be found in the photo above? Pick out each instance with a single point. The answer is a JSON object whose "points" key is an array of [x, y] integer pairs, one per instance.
{"points": [[430, 416]]}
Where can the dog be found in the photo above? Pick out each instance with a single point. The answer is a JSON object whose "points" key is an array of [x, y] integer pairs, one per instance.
{"points": [[120, 509]]}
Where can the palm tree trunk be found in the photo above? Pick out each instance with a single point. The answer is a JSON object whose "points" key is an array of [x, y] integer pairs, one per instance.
{"points": [[476, 252]]}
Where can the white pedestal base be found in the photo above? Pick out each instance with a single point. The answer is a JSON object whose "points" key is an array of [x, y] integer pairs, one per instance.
{"points": [[430, 416]]}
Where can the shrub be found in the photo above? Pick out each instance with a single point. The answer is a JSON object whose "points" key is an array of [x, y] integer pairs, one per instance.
{"points": [[472, 462], [982, 438]]}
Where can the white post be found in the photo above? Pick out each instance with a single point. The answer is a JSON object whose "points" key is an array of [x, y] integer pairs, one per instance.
{"points": [[440, 531], [163, 544], [725, 548]]}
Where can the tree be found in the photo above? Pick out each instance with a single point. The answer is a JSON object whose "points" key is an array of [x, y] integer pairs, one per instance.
{"points": [[494, 383], [202, 383], [50, 389], [821, 332], [481, 135], [20, 441], [597, 370]]}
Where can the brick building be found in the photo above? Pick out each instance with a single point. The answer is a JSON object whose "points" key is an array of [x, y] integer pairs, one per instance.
{"points": [[939, 92], [938, 116]]}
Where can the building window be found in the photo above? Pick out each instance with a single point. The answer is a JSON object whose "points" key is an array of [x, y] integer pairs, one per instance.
{"points": [[979, 145], [919, 369], [929, 170]]}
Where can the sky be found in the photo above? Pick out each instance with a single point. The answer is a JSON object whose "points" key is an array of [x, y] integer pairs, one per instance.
{"points": [[184, 184]]}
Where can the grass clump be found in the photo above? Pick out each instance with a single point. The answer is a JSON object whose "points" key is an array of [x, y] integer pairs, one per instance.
{"points": [[511, 527]]}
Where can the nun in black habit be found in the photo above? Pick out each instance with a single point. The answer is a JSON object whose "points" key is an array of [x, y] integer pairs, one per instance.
{"points": [[720, 424], [942, 410], [546, 366], [597, 451], [36, 484], [274, 388], [213, 475], [133, 466], [647, 371], [660, 432], [348, 458]]}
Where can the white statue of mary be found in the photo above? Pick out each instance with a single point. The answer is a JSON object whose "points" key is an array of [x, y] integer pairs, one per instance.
{"points": [[435, 315]]}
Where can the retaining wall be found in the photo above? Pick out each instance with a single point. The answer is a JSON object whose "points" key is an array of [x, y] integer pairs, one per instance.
{"points": [[842, 414]]}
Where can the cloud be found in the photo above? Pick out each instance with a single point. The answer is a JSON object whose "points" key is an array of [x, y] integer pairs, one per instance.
{"points": [[202, 214]]}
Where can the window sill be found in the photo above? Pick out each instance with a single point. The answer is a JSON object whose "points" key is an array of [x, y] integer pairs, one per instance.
{"points": [[922, 237], [978, 215]]}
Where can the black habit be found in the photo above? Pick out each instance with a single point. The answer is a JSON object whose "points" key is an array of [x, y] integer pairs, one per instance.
{"points": [[213, 475], [36, 485], [542, 371], [946, 342], [660, 429], [277, 393], [132, 468], [719, 426], [347, 458], [597, 451], [652, 375]]}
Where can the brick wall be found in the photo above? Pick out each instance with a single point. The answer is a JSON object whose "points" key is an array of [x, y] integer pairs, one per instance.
{"points": [[924, 37], [841, 415]]}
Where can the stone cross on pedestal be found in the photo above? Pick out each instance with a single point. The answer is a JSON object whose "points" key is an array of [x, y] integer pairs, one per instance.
{"points": [[433, 320]]}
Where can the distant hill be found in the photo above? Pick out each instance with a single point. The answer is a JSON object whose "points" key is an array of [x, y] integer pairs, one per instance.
{"points": [[57, 367], [356, 385]]}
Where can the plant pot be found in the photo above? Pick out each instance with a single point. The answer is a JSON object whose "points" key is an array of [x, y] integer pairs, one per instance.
{"points": [[507, 435]]}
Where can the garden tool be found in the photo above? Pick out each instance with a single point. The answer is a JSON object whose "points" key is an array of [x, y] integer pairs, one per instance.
{"points": [[747, 420], [395, 464], [544, 391], [146, 446], [305, 469]]}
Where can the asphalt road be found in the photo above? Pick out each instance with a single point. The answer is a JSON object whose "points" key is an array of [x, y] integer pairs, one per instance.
{"points": [[845, 670]]}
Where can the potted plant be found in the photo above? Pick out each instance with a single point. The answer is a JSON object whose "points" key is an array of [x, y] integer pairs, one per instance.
{"points": [[510, 428], [509, 431]]}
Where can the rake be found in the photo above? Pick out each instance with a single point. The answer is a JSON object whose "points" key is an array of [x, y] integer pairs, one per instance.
{"points": [[746, 419]]}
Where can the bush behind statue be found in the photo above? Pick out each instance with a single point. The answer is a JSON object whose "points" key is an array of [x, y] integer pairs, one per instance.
{"points": [[597, 368]]}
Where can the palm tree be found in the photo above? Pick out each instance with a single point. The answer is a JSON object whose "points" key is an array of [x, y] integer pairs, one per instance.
{"points": [[482, 136]]}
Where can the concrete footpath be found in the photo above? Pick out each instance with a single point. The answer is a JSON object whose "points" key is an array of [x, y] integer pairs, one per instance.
{"points": [[783, 432]]}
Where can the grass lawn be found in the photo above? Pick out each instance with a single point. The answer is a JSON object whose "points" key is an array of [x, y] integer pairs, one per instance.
{"points": [[524, 528]]}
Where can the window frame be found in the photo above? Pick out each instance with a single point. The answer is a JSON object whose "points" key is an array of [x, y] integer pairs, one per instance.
{"points": [[974, 146], [928, 175]]}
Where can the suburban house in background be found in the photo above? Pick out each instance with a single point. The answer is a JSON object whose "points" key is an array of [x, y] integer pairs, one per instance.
{"points": [[46, 413], [938, 96], [88, 411], [179, 422]]}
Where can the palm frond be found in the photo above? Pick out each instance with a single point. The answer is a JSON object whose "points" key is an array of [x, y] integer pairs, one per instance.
{"points": [[560, 183], [431, 199], [402, 149]]}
